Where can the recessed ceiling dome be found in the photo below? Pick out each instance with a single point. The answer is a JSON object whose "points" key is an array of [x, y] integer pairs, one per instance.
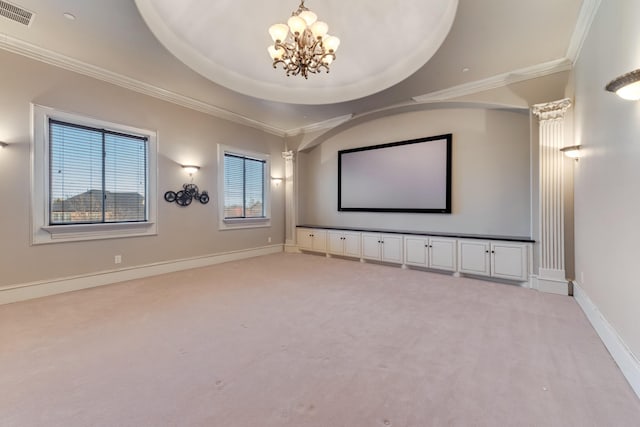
{"points": [[382, 43]]}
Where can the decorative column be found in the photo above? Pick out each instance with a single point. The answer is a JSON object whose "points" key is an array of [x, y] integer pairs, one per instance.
{"points": [[550, 239], [290, 206]]}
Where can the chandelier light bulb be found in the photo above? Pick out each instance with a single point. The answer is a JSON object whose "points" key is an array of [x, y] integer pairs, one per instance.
{"points": [[302, 46], [275, 53], [279, 32], [331, 43], [319, 29], [309, 17], [297, 25]]}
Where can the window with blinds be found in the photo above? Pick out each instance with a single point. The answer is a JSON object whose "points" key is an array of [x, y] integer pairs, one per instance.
{"points": [[244, 191], [96, 175]]}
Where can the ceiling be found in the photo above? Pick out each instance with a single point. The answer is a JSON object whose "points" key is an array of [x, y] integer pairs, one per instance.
{"points": [[110, 40], [241, 62]]}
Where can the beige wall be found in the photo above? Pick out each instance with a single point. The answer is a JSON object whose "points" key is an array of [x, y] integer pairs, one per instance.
{"points": [[184, 136], [607, 178], [491, 172]]}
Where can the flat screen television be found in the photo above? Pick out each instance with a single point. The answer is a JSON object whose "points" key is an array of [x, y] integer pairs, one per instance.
{"points": [[411, 176]]}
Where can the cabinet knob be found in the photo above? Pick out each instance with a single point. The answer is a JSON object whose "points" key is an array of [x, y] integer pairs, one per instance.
{"points": [[486, 252], [493, 252]]}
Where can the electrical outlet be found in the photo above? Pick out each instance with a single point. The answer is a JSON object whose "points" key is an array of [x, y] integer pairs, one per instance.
{"points": [[117, 259], [268, 239]]}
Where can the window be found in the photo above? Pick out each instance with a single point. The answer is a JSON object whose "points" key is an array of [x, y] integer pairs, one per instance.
{"points": [[244, 196], [95, 175], [243, 187], [92, 179]]}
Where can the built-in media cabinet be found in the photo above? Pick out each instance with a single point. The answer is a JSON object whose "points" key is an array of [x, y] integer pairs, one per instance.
{"points": [[495, 257]]}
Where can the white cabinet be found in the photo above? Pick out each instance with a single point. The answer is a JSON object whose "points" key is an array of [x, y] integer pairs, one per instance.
{"points": [[430, 252], [509, 260], [500, 259], [473, 257], [345, 243], [312, 239], [505, 260], [382, 247]]}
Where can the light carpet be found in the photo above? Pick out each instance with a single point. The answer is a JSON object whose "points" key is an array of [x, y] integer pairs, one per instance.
{"points": [[302, 340]]}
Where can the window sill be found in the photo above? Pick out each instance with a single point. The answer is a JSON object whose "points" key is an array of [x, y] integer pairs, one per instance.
{"points": [[80, 232], [236, 223]]}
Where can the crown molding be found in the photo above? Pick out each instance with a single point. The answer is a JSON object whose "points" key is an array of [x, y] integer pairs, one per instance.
{"points": [[319, 126], [586, 16], [500, 80], [38, 53]]}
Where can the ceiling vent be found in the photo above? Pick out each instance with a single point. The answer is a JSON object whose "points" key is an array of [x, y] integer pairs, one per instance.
{"points": [[15, 13]]}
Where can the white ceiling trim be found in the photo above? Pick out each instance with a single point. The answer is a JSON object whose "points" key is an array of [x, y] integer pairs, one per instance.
{"points": [[407, 107], [62, 61], [588, 12], [500, 80], [318, 126]]}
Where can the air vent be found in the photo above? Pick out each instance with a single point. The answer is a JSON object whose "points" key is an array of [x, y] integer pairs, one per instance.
{"points": [[15, 13]]}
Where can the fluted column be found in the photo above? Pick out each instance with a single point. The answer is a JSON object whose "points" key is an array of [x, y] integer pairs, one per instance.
{"points": [[551, 259], [289, 194]]}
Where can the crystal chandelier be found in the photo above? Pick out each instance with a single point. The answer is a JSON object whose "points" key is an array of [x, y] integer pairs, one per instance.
{"points": [[303, 45]]}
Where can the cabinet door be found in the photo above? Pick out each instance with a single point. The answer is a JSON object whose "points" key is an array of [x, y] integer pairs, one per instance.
{"points": [[474, 257], [335, 242], [371, 246], [304, 237], [509, 260], [442, 253], [352, 244], [415, 250], [320, 240], [391, 248]]}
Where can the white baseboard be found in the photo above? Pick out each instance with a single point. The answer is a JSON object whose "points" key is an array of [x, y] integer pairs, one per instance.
{"points": [[551, 286], [628, 363], [291, 248], [39, 289]]}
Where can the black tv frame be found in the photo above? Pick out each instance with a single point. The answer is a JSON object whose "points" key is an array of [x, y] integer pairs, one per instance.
{"points": [[445, 210]]}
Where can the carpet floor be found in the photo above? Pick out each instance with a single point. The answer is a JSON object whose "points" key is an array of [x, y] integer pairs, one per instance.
{"points": [[302, 340]]}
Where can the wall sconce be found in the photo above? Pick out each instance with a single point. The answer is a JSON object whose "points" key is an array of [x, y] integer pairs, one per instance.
{"points": [[3, 144], [190, 169], [627, 86], [572, 152], [276, 181]]}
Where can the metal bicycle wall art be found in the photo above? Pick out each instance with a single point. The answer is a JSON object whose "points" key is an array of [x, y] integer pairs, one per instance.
{"points": [[185, 196]]}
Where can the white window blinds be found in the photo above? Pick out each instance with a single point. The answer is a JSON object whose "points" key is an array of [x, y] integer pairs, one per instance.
{"points": [[96, 175], [243, 187]]}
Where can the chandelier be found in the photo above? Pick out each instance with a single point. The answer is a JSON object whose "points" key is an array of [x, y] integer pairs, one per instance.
{"points": [[302, 46]]}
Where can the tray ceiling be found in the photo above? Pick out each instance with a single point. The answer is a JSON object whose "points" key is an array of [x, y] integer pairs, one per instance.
{"points": [[381, 46]]}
